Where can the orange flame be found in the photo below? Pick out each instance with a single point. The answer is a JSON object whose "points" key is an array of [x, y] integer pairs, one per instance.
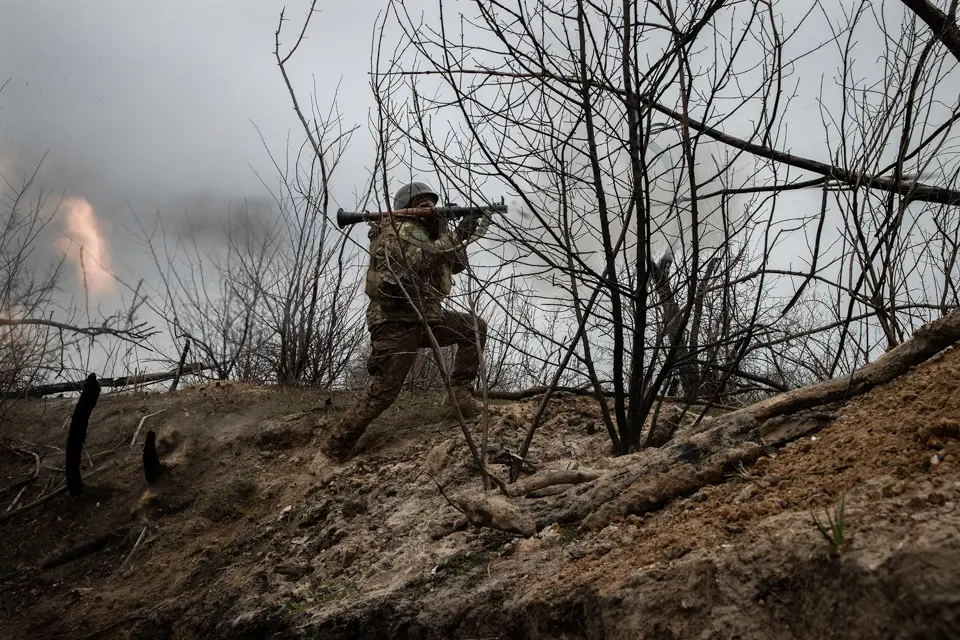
{"points": [[85, 246]]}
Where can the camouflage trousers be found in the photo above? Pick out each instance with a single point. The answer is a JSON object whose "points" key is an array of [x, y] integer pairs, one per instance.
{"points": [[394, 349]]}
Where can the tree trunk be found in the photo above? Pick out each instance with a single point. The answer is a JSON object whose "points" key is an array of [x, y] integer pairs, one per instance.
{"points": [[78, 433]]}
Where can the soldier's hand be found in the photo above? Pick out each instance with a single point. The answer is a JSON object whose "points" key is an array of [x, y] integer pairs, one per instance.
{"points": [[483, 223], [468, 225], [473, 227]]}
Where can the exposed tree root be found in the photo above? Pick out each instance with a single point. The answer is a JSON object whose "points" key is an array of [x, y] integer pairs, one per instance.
{"points": [[486, 510], [77, 434], [152, 468], [549, 479], [85, 549], [720, 445]]}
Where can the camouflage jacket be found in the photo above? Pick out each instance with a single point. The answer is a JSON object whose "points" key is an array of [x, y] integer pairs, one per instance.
{"points": [[404, 257]]}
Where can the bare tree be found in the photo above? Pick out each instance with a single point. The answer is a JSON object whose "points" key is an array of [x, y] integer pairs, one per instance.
{"points": [[44, 335], [608, 121], [662, 225]]}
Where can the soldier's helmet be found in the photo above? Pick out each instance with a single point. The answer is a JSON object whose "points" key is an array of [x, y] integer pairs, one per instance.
{"points": [[408, 192]]}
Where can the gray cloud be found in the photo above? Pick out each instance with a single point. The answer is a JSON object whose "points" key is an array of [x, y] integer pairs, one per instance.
{"points": [[151, 101], [154, 108]]}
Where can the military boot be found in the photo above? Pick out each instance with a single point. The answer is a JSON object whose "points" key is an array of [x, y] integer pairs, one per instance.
{"points": [[340, 441], [463, 398]]}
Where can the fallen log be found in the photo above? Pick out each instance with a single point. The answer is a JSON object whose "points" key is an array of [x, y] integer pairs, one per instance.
{"points": [[718, 446], [125, 381], [927, 341], [533, 392]]}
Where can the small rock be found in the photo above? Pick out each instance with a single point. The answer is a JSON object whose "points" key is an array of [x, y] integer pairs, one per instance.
{"points": [[314, 515], [349, 554], [444, 528], [526, 545], [351, 508], [936, 499], [439, 458], [748, 492], [294, 570], [576, 551]]}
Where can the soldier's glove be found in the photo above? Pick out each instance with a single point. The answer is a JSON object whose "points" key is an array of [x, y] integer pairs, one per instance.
{"points": [[468, 230], [467, 225], [472, 228]]}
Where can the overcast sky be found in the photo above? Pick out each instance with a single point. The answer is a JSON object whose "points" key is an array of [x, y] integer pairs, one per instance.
{"points": [[155, 103], [152, 106]]}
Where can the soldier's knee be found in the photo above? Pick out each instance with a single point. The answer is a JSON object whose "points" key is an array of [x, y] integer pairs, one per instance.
{"points": [[383, 390]]}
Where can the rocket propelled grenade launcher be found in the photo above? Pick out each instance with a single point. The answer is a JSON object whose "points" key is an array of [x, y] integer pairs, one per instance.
{"points": [[346, 218]]}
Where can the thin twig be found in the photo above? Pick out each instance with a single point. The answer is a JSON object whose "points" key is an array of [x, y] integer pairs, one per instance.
{"points": [[17, 499], [132, 551], [25, 481], [136, 433], [47, 498]]}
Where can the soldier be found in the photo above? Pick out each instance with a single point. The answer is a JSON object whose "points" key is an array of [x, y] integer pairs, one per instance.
{"points": [[412, 260]]}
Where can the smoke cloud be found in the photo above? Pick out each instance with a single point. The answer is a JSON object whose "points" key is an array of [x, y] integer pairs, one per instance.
{"points": [[85, 246]]}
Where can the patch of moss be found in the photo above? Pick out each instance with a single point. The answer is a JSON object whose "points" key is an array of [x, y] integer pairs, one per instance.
{"points": [[336, 590], [567, 535], [463, 565]]}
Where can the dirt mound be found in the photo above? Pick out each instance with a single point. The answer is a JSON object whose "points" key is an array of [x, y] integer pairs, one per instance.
{"points": [[242, 540]]}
